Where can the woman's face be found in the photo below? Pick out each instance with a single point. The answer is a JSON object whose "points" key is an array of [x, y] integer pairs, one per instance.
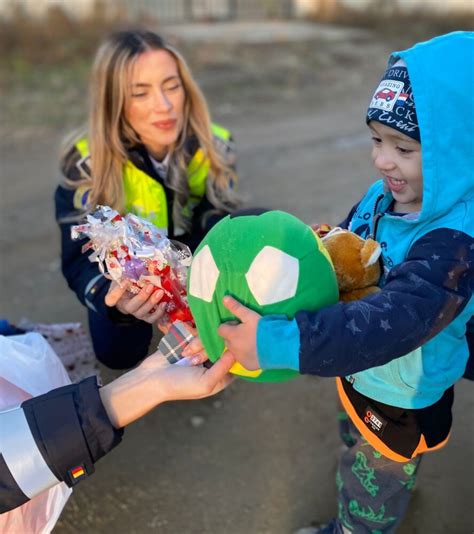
{"points": [[154, 106]]}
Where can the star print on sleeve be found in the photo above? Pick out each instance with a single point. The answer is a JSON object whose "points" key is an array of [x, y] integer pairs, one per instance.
{"points": [[353, 327], [363, 308], [424, 263]]}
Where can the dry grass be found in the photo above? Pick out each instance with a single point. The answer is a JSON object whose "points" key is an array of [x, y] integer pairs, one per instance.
{"points": [[60, 39], [388, 20], [56, 38]]}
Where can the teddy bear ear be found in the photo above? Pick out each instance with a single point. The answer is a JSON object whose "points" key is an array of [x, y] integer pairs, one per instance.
{"points": [[370, 252]]}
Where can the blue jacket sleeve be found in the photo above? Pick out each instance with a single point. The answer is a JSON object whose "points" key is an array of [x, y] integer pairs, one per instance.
{"points": [[421, 297], [52, 438]]}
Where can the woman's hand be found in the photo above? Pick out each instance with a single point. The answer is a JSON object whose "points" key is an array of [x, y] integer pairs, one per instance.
{"points": [[180, 344], [155, 381], [186, 382], [144, 305], [195, 350]]}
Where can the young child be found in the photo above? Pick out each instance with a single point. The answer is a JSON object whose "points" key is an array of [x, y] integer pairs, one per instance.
{"points": [[399, 351]]}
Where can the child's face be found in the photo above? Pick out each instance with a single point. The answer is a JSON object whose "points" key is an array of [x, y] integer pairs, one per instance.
{"points": [[398, 159]]}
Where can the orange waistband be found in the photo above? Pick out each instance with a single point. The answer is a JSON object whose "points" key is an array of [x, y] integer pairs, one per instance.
{"points": [[375, 441]]}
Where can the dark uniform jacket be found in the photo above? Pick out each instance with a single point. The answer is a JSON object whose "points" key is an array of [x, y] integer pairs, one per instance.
{"points": [[55, 437]]}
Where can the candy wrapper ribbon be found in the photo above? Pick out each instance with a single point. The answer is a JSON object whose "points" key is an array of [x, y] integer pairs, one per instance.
{"points": [[131, 250]]}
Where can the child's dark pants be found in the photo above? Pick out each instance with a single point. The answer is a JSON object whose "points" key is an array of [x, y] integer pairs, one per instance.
{"points": [[374, 491]]}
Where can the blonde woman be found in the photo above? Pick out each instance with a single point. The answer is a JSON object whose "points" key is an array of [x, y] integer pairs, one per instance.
{"points": [[150, 149]]}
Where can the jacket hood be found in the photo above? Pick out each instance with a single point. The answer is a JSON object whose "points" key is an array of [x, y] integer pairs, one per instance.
{"points": [[441, 71]]}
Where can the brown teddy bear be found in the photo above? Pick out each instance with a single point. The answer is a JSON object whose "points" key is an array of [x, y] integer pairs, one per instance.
{"points": [[356, 262]]}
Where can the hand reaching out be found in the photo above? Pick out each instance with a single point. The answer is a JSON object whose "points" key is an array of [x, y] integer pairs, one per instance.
{"points": [[178, 382], [155, 381]]}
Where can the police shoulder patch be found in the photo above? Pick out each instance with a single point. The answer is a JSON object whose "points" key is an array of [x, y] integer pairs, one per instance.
{"points": [[81, 197]]}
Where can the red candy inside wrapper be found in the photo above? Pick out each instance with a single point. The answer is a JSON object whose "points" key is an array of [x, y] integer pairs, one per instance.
{"points": [[132, 250]]}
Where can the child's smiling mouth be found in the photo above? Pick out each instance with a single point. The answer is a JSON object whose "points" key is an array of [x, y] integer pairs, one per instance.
{"points": [[395, 185]]}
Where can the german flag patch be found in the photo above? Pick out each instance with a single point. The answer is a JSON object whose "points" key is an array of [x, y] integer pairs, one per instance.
{"points": [[77, 473]]}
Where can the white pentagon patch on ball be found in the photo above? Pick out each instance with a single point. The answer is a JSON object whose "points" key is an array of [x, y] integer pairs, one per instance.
{"points": [[273, 276], [203, 279]]}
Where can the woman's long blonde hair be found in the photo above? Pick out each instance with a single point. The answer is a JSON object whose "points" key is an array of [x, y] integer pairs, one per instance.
{"points": [[109, 133]]}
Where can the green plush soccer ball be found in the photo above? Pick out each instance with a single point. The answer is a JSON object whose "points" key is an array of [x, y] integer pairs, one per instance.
{"points": [[272, 263]]}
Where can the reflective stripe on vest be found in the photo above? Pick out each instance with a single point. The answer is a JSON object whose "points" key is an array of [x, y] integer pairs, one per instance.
{"points": [[219, 132], [198, 170], [146, 197]]}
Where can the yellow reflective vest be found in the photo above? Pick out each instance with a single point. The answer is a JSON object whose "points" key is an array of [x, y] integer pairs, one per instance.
{"points": [[146, 197]]}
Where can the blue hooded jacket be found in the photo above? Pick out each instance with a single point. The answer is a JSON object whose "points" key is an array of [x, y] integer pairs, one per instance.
{"points": [[406, 345]]}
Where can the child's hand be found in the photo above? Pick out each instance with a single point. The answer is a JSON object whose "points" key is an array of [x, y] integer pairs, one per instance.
{"points": [[241, 339], [321, 229]]}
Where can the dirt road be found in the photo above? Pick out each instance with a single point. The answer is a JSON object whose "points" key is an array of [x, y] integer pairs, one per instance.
{"points": [[258, 458]]}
